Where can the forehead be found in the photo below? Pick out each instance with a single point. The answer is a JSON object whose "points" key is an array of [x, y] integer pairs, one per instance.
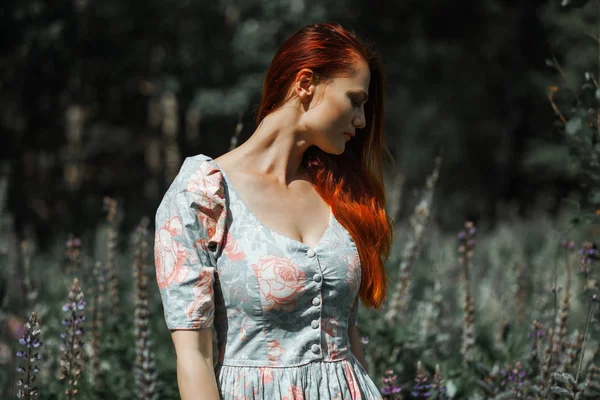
{"points": [[358, 79]]}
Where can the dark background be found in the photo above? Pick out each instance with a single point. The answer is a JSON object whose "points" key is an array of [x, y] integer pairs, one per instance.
{"points": [[88, 91]]}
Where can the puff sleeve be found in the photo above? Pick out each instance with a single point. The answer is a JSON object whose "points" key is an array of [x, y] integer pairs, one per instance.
{"points": [[190, 222]]}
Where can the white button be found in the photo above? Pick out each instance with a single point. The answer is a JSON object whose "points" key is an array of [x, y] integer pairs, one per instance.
{"points": [[314, 324], [316, 301], [315, 348], [317, 277], [310, 253]]}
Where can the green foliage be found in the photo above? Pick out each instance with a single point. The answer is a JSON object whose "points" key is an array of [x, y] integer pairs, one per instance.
{"points": [[502, 335]]}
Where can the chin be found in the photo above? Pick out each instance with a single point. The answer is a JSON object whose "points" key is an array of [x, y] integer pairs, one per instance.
{"points": [[334, 148], [336, 151]]}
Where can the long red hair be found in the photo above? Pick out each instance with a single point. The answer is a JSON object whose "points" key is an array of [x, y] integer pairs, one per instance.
{"points": [[351, 183]]}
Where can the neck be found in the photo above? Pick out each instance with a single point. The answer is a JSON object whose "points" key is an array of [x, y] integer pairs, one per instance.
{"points": [[276, 148]]}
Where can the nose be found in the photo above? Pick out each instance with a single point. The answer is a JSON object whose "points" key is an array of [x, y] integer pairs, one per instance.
{"points": [[359, 120]]}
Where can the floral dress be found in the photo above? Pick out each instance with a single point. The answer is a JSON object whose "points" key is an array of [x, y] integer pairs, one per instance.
{"points": [[279, 309]]}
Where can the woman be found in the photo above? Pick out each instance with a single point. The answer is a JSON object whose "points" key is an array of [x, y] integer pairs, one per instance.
{"points": [[262, 253]]}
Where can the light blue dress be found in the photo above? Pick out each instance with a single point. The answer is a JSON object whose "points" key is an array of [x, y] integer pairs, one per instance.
{"points": [[279, 309]]}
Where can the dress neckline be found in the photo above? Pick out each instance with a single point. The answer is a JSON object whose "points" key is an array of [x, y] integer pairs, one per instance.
{"points": [[239, 196]]}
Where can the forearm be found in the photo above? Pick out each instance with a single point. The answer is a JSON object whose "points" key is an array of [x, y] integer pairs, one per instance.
{"points": [[356, 346], [196, 377]]}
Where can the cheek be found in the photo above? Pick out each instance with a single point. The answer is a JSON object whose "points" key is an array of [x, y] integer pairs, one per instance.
{"points": [[331, 116], [338, 112]]}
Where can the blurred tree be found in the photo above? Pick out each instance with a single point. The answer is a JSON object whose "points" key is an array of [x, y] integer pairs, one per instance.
{"points": [[88, 91]]}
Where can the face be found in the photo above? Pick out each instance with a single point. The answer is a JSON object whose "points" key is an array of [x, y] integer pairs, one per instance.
{"points": [[336, 110]]}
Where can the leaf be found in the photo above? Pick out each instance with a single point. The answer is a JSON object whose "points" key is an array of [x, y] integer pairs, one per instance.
{"points": [[561, 391], [565, 378], [573, 126]]}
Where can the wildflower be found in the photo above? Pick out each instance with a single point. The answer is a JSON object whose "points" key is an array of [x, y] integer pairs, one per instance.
{"points": [[422, 387], [568, 244], [439, 384], [466, 241], [466, 244], [589, 254], [364, 339], [73, 255], [513, 376], [71, 362], [390, 390], [535, 334], [97, 317], [31, 341], [145, 371]]}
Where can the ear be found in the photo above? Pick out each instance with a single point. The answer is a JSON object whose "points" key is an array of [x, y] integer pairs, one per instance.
{"points": [[304, 85]]}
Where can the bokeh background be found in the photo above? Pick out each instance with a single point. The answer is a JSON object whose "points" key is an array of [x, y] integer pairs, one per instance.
{"points": [[496, 98], [88, 87]]}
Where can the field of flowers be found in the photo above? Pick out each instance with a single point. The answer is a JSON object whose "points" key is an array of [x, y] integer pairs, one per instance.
{"points": [[502, 313]]}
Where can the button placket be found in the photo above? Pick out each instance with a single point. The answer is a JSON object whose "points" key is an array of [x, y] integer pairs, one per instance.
{"points": [[316, 302]]}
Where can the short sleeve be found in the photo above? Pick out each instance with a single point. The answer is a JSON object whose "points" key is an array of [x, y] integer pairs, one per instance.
{"points": [[352, 320], [190, 222]]}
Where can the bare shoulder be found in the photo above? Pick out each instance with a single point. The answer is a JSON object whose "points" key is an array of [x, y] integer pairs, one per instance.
{"points": [[227, 163]]}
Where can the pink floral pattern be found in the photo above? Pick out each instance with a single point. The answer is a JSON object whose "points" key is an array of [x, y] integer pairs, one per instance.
{"points": [[275, 351], [279, 313], [352, 384], [266, 375], [280, 282], [331, 327], [201, 310], [232, 249], [204, 181], [170, 255], [294, 393]]}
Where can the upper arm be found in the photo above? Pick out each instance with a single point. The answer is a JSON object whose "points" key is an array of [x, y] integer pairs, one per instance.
{"points": [[190, 224], [194, 341]]}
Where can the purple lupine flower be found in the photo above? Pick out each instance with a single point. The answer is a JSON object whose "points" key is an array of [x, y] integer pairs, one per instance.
{"points": [[466, 240], [589, 254], [31, 341], [422, 387], [568, 245], [71, 362], [513, 376], [390, 390], [439, 384]]}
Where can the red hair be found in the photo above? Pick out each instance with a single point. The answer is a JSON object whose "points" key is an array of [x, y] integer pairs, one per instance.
{"points": [[351, 183]]}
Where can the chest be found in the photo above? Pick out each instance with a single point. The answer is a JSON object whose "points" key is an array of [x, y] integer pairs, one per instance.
{"points": [[296, 212]]}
